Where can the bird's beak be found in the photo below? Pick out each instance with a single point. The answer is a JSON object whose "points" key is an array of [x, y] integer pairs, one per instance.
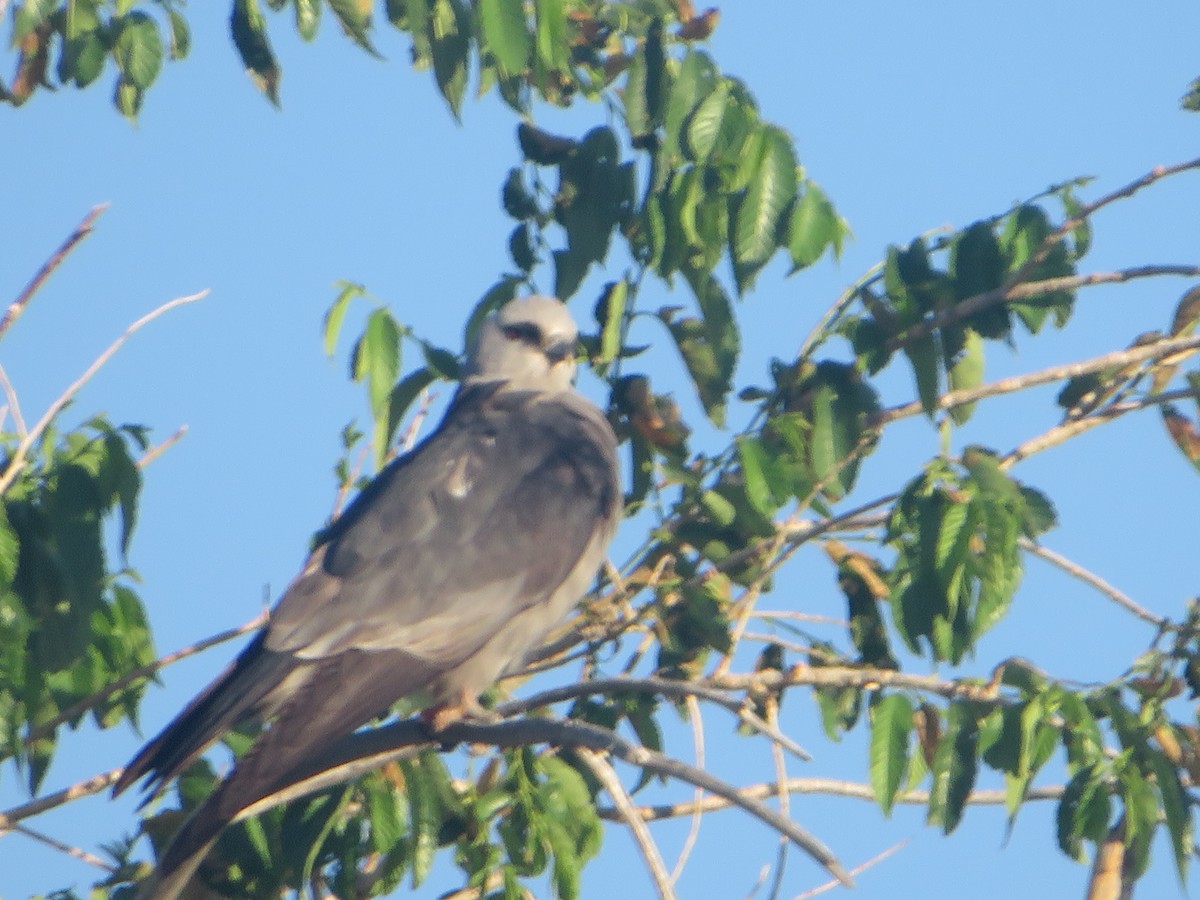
{"points": [[560, 350]]}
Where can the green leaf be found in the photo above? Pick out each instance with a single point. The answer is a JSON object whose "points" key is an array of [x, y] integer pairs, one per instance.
{"points": [[376, 357], [923, 354], [28, 16], [706, 122], [423, 820], [978, 266], [402, 397], [336, 314], [891, 722], [771, 189], [765, 484], [1069, 838], [249, 30], [613, 302], [419, 24], [138, 49], [451, 51], [954, 767], [506, 33], [355, 19], [9, 548], [964, 372], [1176, 807], [181, 33], [813, 225], [552, 47], [695, 78]]}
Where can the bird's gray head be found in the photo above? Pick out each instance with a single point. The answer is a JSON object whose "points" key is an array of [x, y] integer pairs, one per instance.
{"points": [[529, 342]]}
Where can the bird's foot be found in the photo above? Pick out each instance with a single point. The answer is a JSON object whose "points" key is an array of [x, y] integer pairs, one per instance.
{"points": [[463, 709]]}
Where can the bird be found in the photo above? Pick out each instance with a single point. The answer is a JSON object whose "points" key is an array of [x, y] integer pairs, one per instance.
{"points": [[453, 563]]}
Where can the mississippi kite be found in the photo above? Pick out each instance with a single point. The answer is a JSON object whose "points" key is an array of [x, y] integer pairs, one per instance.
{"points": [[449, 567]]}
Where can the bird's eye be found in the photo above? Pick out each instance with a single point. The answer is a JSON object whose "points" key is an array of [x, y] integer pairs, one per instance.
{"points": [[526, 332]]}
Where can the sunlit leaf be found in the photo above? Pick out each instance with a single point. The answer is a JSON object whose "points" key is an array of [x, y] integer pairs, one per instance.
{"points": [[507, 33], [891, 722]]}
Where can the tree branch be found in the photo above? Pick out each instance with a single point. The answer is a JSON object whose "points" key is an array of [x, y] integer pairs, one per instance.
{"points": [[79, 853], [1117, 359], [82, 706], [366, 750], [82, 230], [85, 788], [18, 458], [1089, 577], [623, 804], [831, 787]]}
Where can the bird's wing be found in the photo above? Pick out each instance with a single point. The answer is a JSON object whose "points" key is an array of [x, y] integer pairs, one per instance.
{"points": [[487, 518]]}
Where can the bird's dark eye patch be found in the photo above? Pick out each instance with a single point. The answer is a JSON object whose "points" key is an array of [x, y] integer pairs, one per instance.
{"points": [[524, 331]]}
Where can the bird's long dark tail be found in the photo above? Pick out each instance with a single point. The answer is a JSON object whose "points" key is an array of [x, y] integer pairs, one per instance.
{"points": [[241, 691]]}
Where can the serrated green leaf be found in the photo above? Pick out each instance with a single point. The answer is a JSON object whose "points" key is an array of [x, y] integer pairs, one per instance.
{"points": [[770, 191], [506, 34], [891, 722], [138, 49], [377, 359], [813, 225]]}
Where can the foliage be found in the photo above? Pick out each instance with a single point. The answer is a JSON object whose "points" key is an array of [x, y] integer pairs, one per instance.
{"points": [[692, 186]]}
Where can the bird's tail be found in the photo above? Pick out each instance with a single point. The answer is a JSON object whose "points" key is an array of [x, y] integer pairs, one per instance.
{"points": [[243, 690]]}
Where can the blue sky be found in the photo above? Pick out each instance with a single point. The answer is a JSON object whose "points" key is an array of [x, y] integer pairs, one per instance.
{"points": [[911, 116]]}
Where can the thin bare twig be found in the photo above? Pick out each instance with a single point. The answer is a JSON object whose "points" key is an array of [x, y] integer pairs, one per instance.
{"points": [[82, 230], [1088, 577], [14, 403], [972, 305], [857, 870], [78, 852], [1071, 428], [831, 787], [159, 449], [1116, 359], [18, 457], [85, 788], [785, 799], [689, 843], [608, 777], [82, 706]]}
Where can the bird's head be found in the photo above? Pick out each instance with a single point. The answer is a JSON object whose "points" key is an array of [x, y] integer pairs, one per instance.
{"points": [[529, 342]]}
